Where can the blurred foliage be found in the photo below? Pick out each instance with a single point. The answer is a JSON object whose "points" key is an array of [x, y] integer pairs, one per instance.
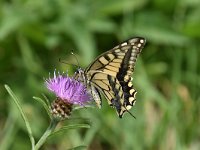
{"points": [[35, 34]]}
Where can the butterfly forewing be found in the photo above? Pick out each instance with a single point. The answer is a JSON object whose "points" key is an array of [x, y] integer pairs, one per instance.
{"points": [[111, 73]]}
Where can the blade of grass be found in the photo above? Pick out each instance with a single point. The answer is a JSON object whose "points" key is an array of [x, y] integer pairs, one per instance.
{"points": [[22, 114], [81, 107], [47, 100], [44, 105], [8, 133], [80, 119], [81, 147], [74, 126]]}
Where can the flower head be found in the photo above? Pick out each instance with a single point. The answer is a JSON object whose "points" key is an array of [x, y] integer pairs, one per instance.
{"points": [[68, 91]]}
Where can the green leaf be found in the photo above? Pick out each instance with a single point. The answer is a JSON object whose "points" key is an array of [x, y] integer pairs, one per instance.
{"points": [[28, 55], [47, 100], [23, 115], [46, 107], [81, 107], [162, 36], [114, 7], [80, 119], [75, 126], [78, 147], [9, 131]]}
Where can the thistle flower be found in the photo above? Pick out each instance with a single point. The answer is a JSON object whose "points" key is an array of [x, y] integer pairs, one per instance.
{"points": [[68, 92]]}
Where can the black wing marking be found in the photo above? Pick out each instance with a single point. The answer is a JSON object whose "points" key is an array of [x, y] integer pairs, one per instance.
{"points": [[111, 73]]}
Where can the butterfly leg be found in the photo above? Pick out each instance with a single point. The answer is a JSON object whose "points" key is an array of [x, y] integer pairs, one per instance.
{"points": [[96, 96]]}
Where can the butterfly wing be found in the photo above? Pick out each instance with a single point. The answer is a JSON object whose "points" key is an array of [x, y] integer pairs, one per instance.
{"points": [[111, 73]]}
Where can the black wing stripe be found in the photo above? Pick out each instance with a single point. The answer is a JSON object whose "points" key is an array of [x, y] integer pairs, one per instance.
{"points": [[111, 73], [112, 68], [124, 67], [114, 64], [104, 60], [117, 101], [103, 85]]}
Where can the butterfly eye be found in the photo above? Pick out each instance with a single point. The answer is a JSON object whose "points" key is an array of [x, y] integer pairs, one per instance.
{"points": [[76, 72], [111, 72]]}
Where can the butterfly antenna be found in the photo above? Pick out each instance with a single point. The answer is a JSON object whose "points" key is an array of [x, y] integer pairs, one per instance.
{"points": [[76, 59], [64, 62], [130, 113]]}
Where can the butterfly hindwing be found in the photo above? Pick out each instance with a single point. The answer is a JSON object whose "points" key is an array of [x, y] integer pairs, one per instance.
{"points": [[111, 73]]}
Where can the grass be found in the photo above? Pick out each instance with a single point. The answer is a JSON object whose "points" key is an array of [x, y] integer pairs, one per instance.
{"points": [[35, 34]]}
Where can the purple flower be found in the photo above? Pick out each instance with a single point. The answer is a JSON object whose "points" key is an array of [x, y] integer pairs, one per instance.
{"points": [[69, 92], [68, 89]]}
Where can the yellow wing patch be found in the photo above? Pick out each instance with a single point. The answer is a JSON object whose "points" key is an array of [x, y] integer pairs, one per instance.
{"points": [[111, 74]]}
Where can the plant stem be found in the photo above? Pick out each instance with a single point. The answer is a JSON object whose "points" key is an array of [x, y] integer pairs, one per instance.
{"points": [[46, 134]]}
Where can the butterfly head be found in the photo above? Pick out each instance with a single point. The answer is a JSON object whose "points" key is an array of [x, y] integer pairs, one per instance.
{"points": [[111, 72], [79, 75]]}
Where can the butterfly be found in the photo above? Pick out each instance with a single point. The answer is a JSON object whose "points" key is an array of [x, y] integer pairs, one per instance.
{"points": [[111, 74]]}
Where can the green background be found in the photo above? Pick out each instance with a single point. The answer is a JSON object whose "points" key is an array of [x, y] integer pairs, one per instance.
{"points": [[34, 34]]}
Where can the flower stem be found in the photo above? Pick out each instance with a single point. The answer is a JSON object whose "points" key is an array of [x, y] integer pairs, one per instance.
{"points": [[46, 134]]}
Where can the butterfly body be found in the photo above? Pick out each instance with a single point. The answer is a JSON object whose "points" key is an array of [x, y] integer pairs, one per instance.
{"points": [[111, 74]]}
